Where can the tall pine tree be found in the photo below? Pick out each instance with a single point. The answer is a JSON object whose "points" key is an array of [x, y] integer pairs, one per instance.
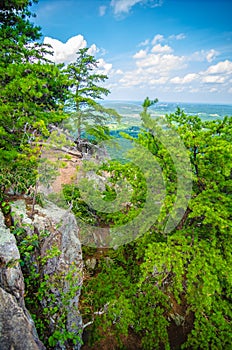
{"points": [[86, 91], [32, 91]]}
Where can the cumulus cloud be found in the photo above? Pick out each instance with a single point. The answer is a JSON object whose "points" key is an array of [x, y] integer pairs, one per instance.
{"points": [[210, 55], [224, 67], [161, 62], [204, 55], [153, 67], [157, 38], [213, 79], [157, 66], [220, 73], [124, 6], [140, 54], [180, 36], [93, 50], [65, 52], [188, 78], [160, 81], [103, 67], [160, 48], [102, 10]]}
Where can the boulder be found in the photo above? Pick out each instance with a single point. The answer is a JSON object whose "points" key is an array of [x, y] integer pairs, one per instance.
{"points": [[59, 260], [17, 329]]}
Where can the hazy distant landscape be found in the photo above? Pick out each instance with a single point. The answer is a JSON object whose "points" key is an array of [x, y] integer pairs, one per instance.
{"points": [[130, 110]]}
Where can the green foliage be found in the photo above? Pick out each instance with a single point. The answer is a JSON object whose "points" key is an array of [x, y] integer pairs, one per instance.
{"points": [[32, 94], [150, 306], [105, 299], [183, 279], [17, 31], [85, 89], [128, 207]]}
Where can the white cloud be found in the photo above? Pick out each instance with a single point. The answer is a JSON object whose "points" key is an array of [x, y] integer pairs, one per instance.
{"points": [[213, 90], [223, 67], [220, 73], [230, 90], [159, 48], [180, 36], [216, 74], [203, 55], [65, 52], [103, 67], [213, 79], [210, 56], [144, 43], [152, 69], [124, 6], [161, 62], [160, 81], [102, 10], [93, 50], [140, 54], [185, 80], [179, 88], [119, 72], [157, 38]]}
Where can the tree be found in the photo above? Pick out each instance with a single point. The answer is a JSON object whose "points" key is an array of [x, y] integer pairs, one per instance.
{"points": [[86, 112], [193, 264], [175, 286], [32, 91], [18, 36]]}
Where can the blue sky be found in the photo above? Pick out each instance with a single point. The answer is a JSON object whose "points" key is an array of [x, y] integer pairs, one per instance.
{"points": [[175, 50]]}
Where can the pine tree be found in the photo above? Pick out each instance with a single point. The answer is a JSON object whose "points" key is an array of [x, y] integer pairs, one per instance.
{"points": [[85, 90], [33, 90]]}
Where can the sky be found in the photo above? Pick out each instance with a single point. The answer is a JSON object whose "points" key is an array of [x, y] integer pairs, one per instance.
{"points": [[173, 50]]}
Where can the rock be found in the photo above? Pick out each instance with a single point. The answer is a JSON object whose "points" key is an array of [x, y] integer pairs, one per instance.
{"points": [[63, 269], [11, 278], [91, 263], [17, 329]]}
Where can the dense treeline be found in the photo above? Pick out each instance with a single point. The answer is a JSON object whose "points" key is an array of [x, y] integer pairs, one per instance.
{"points": [[168, 286]]}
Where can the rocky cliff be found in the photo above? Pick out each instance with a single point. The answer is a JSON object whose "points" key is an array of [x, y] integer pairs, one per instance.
{"points": [[57, 264], [17, 330]]}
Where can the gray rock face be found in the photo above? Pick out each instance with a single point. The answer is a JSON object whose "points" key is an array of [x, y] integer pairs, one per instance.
{"points": [[64, 269], [11, 278], [17, 330]]}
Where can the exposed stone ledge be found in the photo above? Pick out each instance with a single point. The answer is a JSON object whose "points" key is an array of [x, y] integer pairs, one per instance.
{"points": [[17, 330]]}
